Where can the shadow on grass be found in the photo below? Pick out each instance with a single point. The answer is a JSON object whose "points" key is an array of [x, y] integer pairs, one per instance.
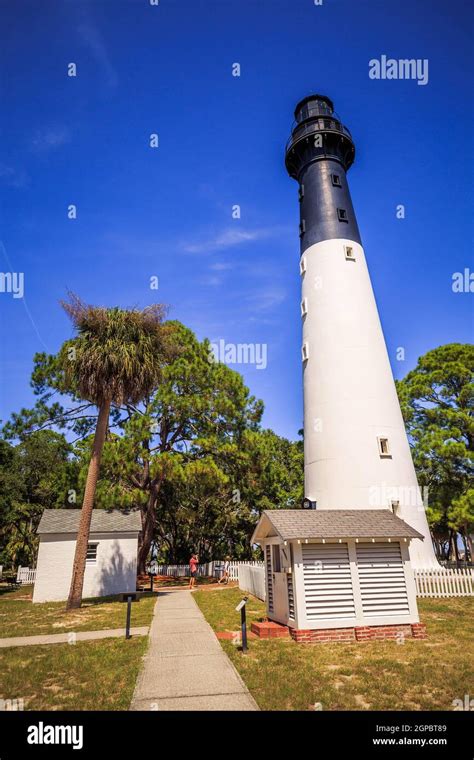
{"points": [[16, 591]]}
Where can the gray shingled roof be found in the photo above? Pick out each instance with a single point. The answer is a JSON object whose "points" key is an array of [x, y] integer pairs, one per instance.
{"points": [[103, 521], [338, 523]]}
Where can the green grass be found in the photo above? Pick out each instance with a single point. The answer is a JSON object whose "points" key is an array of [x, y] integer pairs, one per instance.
{"points": [[20, 617], [90, 675], [417, 675]]}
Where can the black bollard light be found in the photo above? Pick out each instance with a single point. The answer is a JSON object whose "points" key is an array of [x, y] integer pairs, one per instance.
{"points": [[243, 622], [129, 616], [129, 597]]}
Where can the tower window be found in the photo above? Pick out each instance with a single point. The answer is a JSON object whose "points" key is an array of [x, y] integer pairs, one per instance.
{"points": [[336, 180], [395, 507], [304, 307], [384, 448], [301, 192], [302, 227], [304, 352], [342, 215], [303, 265], [349, 253]]}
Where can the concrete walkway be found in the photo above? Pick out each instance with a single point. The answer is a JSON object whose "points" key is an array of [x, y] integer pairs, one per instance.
{"points": [[185, 667], [63, 638]]}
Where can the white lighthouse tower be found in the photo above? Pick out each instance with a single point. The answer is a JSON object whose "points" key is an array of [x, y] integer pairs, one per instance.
{"points": [[356, 450]]}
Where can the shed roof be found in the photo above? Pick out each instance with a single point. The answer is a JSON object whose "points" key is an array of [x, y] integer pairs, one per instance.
{"points": [[332, 523], [103, 521]]}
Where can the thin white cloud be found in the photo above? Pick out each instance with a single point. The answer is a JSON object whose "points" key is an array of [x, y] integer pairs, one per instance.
{"points": [[93, 40], [49, 138], [267, 298], [212, 281], [12, 177], [230, 238], [221, 266]]}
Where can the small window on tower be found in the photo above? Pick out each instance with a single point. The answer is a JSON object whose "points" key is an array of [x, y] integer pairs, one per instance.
{"points": [[301, 192], [349, 251], [304, 352], [342, 215], [304, 307], [384, 448], [336, 180], [302, 227], [303, 265], [395, 507]]}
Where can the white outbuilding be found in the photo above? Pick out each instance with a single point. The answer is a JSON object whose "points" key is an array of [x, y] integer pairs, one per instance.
{"points": [[111, 565], [339, 574]]}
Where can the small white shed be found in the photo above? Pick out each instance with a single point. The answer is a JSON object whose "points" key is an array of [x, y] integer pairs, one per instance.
{"points": [[111, 565], [339, 574]]}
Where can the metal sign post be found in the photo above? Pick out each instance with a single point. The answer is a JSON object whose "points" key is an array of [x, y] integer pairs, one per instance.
{"points": [[243, 622], [129, 597], [129, 615], [152, 571]]}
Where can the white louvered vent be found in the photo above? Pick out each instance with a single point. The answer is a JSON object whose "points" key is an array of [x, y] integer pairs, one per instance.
{"points": [[291, 598], [382, 579], [327, 582], [268, 572]]}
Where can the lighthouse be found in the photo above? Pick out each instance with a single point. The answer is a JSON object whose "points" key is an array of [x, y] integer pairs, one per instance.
{"points": [[356, 452]]}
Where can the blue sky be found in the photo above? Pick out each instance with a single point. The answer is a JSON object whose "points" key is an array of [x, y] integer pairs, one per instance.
{"points": [[166, 212]]}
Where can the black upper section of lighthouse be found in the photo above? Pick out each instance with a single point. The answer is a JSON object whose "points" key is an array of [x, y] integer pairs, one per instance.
{"points": [[318, 154]]}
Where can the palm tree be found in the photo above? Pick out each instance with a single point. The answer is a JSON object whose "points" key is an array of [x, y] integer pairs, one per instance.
{"points": [[116, 359]]}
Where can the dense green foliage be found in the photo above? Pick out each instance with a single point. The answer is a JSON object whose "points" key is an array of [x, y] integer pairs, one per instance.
{"points": [[437, 399], [35, 475], [194, 459]]}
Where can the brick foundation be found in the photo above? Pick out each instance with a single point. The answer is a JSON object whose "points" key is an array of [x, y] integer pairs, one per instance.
{"points": [[359, 633], [320, 635], [270, 630], [419, 631]]}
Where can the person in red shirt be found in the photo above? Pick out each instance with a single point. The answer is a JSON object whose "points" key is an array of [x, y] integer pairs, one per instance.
{"points": [[193, 564]]}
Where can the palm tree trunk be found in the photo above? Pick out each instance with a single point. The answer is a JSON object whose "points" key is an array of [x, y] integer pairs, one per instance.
{"points": [[77, 580]]}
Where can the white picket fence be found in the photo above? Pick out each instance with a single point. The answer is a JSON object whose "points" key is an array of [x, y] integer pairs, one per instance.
{"points": [[443, 583], [252, 579], [208, 569], [429, 583], [25, 575]]}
